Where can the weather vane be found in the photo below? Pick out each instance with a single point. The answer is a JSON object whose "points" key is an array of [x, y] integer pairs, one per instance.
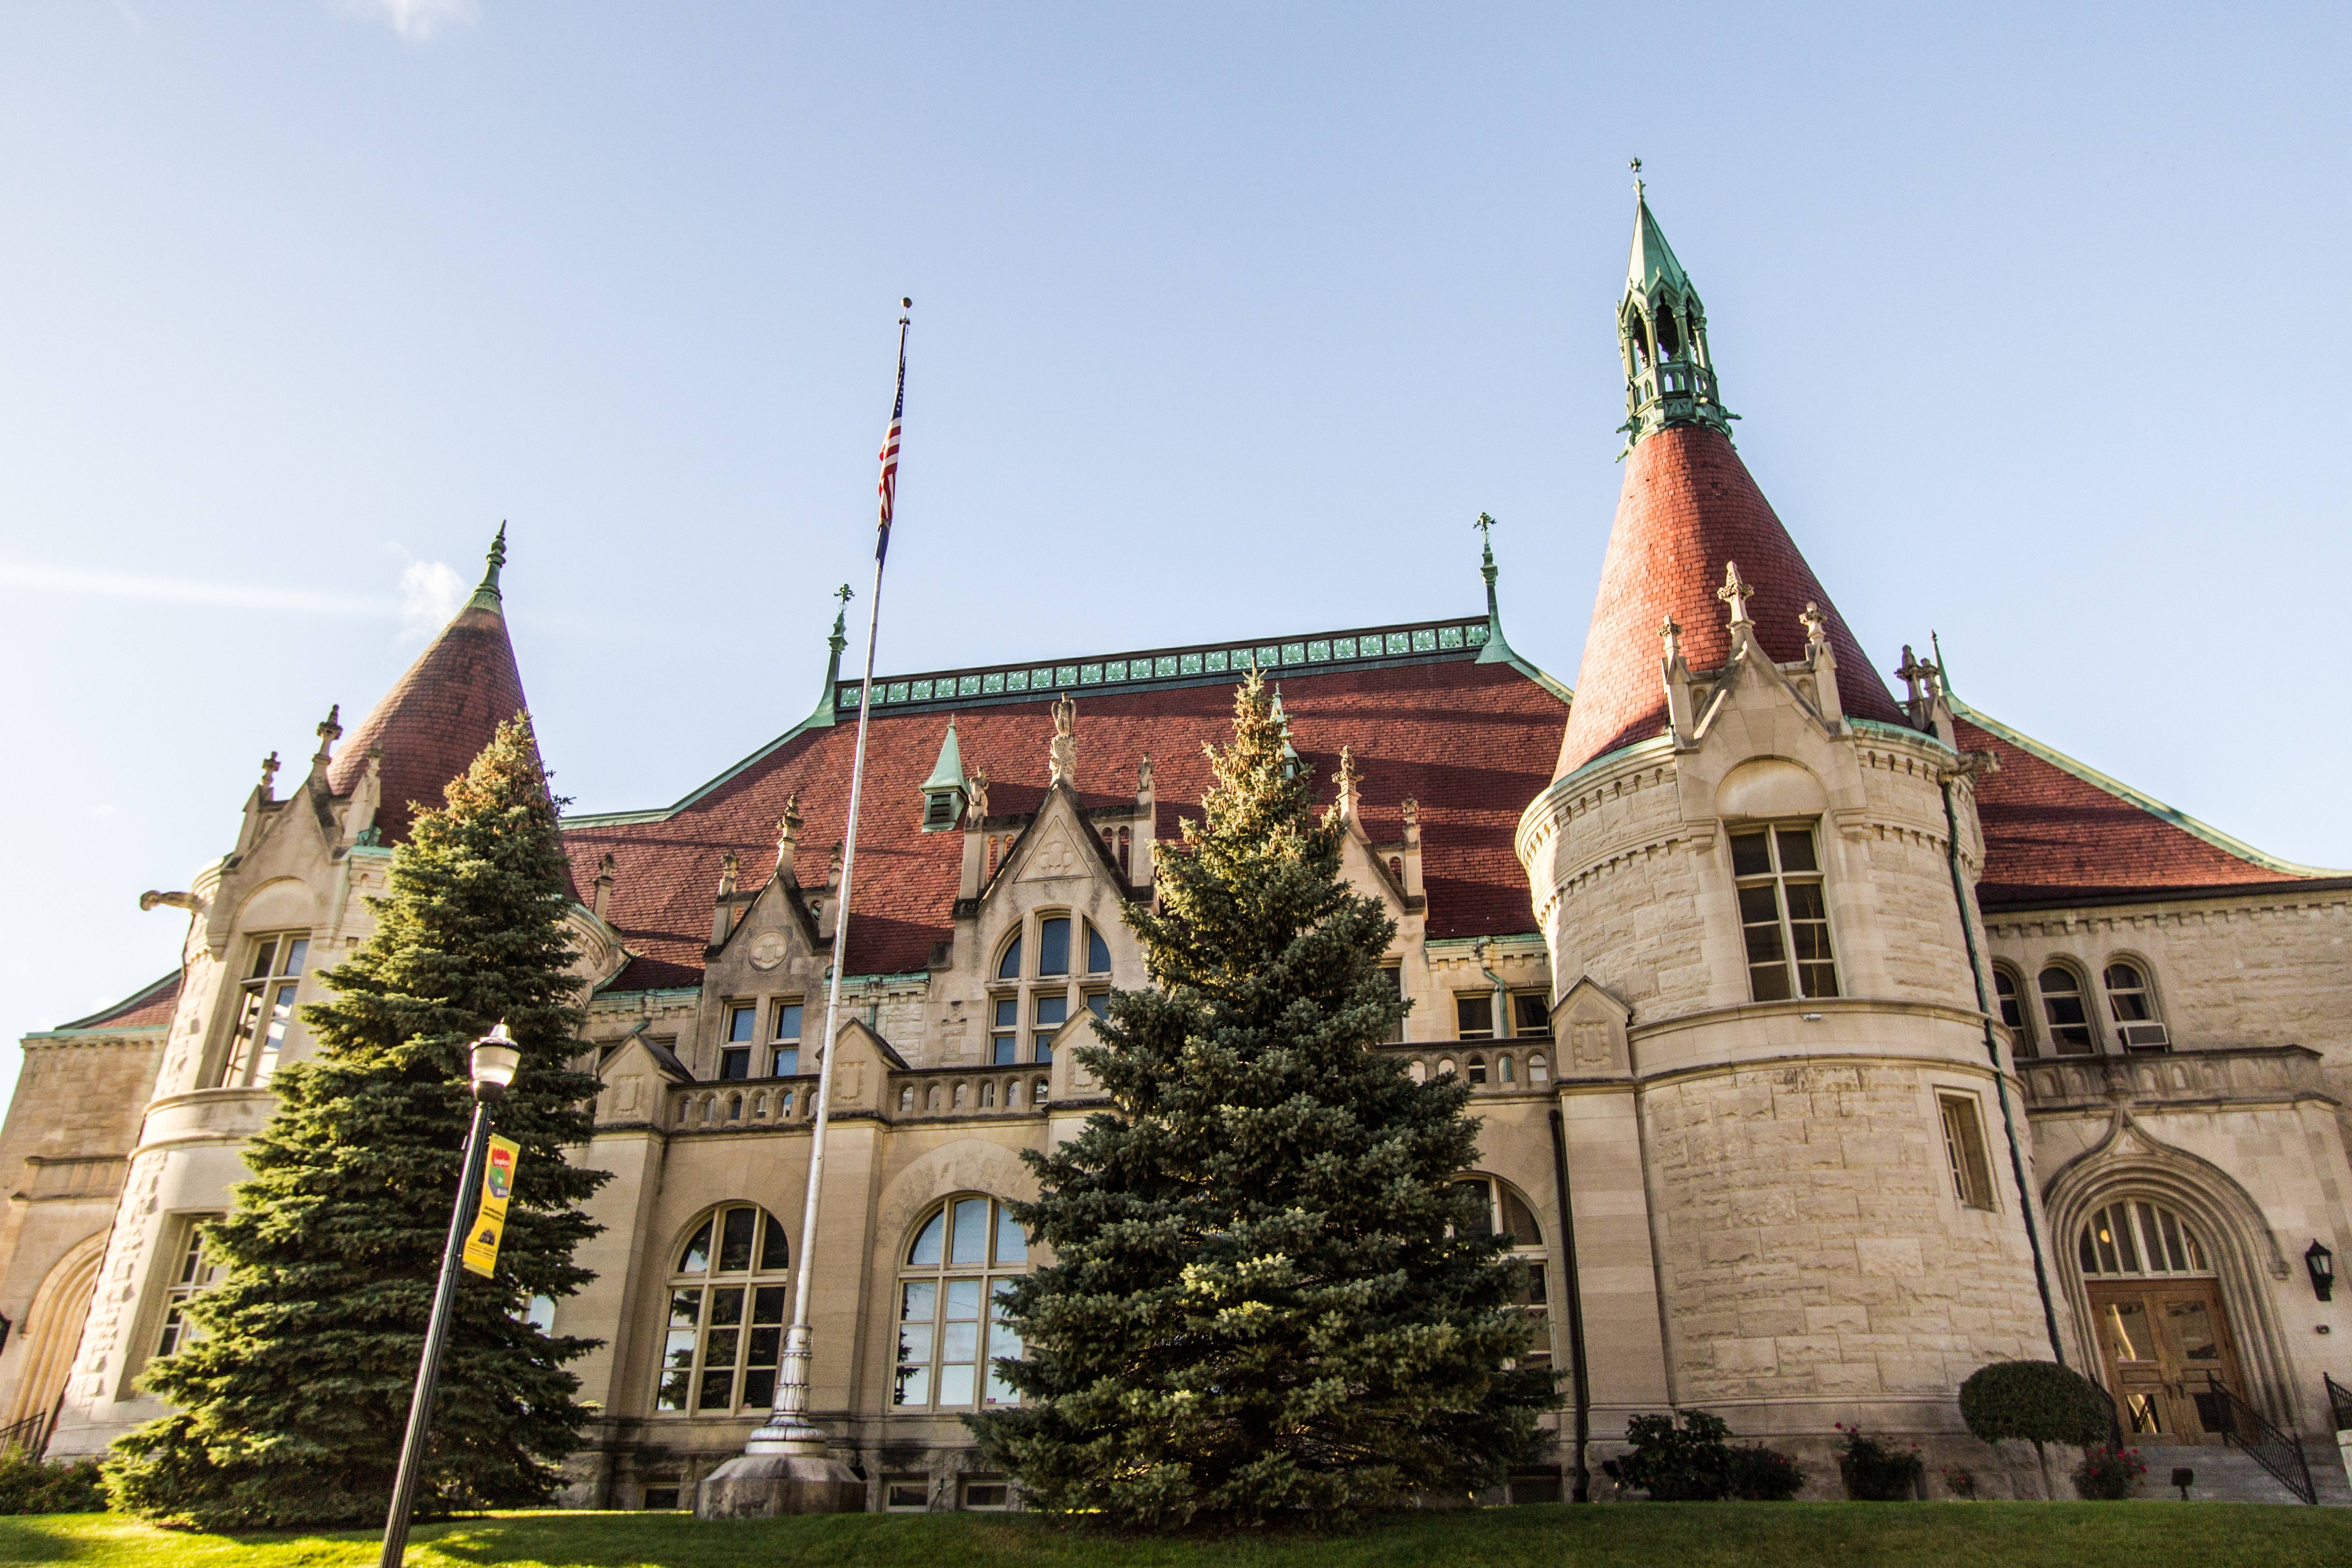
{"points": [[843, 594], [1485, 525], [1637, 174]]}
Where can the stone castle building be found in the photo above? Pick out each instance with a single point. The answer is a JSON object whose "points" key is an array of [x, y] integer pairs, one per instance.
{"points": [[1829, 1043]]}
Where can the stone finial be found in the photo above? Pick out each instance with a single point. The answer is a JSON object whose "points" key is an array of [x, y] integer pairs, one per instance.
{"points": [[1064, 752], [1670, 632], [976, 787], [603, 896], [728, 869], [1736, 593], [1410, 811], [1816, 624], [788, 834], [1143, 777], [1913, 673], [1348, 779], [330, 729], [268, 775], [833, 873]]}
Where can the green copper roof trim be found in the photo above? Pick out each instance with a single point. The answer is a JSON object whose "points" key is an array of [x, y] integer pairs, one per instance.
{"points": [[1292, 658], [2130, 797]]}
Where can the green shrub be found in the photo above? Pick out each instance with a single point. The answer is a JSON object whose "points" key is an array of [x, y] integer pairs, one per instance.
{"points": [[1757, 1474], [29, 1486], [1874, 1472], [2108, 1474], [1690, 1463], [2038, 1400]]}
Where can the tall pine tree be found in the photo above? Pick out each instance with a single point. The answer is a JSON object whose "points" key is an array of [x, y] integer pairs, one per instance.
{"points": [[1267, 1298], [292, 1403]]}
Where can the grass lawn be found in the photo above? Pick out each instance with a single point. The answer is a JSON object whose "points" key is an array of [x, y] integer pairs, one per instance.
{"points": [[1678, 1535]]}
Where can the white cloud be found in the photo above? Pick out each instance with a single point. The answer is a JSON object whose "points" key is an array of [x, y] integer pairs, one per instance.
{"points": [[430, 593], [96, 584], [418, 21]]}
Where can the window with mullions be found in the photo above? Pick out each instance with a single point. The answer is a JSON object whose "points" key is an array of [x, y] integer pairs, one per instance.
{"points": [[725, 1336], [1051, 1011], [1783, 914], [2008, 997], [735, 1056], [1504, 1211], [195, 1276], [2131, 1002], [1530, 1015], [1097, 953], [951, 1329], [273, 975], [2063, 1010], [2139, 1238], [784, 1045], [1053, 945], [1964, 1149], [1473, 1015]]}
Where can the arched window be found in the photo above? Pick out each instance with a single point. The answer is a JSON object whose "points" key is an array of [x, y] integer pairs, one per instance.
{"points": [[2009, 996], [1097, 953], [2061, 1008], [1538, 1071], [1009, 966], [952, 1327], [2139, 1238], [725, 1336], [1053, 945], [2131, 1002], [1477, 1067], [1504, 1211]]}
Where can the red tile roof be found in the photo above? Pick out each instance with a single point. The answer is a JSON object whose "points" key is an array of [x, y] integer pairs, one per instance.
{"points": [[437, 718], [2056, 830], [1473, 742], [1689, 506], [149, 1008]]}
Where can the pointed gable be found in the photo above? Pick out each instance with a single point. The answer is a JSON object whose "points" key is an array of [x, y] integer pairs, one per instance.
{"points": [[438, 716], [1688, 507]]}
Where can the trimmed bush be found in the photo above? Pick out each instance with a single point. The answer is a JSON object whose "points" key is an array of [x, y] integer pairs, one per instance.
{"points": [[2108, 1474], [1757, 1474], [2039, 1402], [29, 1486], [1689, 1463], [1876, 1472]]}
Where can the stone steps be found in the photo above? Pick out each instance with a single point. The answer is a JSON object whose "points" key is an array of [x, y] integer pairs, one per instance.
{"points": [[2231, 1475]]}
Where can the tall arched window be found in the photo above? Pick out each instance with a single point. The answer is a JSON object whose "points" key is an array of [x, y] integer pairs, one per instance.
{"points": [[725, 1336], [2008, 998], [1505, 1211], [2063, 1010], [952, 1323], [2131, 1002]]}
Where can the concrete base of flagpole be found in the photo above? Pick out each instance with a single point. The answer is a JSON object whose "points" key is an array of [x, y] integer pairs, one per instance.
{"points": [[762, 1486]]}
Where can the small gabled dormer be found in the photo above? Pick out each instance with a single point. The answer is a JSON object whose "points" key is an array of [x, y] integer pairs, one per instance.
{"points": [[946, 792]]}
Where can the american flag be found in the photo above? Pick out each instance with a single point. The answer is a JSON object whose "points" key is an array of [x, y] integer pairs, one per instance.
{"points": [[889, 489]]}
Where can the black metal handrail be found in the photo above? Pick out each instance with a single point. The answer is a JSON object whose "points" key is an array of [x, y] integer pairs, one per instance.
{"points": [[30, 1435], [2243, 1427], [2115, 1419], [2339, 1403]]}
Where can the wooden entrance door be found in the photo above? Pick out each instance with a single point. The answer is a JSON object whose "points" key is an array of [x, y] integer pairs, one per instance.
{"points": [[2161, 1339]]}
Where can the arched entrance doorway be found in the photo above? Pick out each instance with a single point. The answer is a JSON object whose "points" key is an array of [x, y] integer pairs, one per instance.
{"points": [[2164, 1336], [53, 1332]]}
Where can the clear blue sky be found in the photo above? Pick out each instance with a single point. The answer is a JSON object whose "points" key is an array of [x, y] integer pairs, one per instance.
{"points": [[1228, 322]]}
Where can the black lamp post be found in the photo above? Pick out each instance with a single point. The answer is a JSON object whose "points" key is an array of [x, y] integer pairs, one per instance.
{"points": [[2321, 1264], [495, 1060]]}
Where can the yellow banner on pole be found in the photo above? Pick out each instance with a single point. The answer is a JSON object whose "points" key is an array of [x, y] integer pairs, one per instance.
{"points": [[491, 1220]]}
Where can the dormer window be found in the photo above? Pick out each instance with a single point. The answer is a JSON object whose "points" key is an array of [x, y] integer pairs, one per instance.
{"points": [[941, 809]]}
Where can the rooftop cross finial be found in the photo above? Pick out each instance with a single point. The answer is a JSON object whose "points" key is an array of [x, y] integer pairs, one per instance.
{"points": [[1486, 527], [1735, 593], [1637, 177]]}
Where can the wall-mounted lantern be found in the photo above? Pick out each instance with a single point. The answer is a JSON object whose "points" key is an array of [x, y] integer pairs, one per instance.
{"points": [[2321, 1264]]}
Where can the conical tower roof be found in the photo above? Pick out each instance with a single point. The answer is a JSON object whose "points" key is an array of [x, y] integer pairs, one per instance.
{"points": [[438, 716], [1653, 261], [1688, 507]]}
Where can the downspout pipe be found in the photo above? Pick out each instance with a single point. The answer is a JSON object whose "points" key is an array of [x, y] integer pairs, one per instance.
{"points": [[1576, 1362], [1992, 1050]]}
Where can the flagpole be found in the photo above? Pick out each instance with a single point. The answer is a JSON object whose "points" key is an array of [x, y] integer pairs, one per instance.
{"points": [[788, 1432]]}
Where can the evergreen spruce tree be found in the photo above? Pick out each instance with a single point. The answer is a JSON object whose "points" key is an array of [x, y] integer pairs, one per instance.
{"points": [[1267, 1298], [292, 1403]]}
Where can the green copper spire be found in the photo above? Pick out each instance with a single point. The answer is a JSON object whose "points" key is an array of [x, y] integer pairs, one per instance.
{"points": [[1497, 650], [1662, 336], [947, 771], [486, 598], [827, 705]]}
